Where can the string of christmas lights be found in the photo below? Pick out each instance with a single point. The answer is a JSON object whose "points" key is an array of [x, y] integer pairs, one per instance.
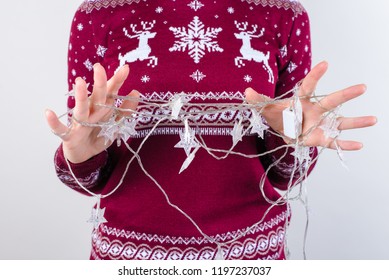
{"points": [[122, 126]]}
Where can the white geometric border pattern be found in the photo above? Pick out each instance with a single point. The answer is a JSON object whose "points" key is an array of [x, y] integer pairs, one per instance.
{"points": [[263, 246]]}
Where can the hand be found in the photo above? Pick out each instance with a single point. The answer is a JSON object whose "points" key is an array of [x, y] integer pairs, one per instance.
{"points": [[312, 135], [81, 142]]}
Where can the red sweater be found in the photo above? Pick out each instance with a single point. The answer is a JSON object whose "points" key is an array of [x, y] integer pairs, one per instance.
{"points": [[208, 49]]}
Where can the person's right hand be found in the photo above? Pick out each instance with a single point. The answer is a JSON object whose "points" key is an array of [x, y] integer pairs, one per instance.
{"points": [[80, 143]]}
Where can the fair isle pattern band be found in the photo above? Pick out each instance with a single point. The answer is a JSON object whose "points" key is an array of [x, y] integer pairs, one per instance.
{"points": [[90, 5], [293, 5], [66, 176], [219, 123], [269, 245]]}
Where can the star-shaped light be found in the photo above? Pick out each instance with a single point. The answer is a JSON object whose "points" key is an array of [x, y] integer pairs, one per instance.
{"points": [[119, 130], [237, 132], [189, 160], [258, 126], [341, 155], [188, 139], [330, 125], [176, 104], [302, 153], [97, 217], [219, 254]]}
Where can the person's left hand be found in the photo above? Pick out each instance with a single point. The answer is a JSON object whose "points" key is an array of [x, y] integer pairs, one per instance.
{"points": [[312, 135]]}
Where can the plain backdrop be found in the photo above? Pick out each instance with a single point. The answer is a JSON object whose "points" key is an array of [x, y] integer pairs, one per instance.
{"points": [[42, 219]]}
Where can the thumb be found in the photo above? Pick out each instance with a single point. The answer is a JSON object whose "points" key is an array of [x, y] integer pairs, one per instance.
{"points": [[253, 97]]}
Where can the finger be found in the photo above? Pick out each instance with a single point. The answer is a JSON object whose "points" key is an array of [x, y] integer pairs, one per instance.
{"points": [[56, 126], [309, 83], [254, 97], [345, 145], [100, 85], [131, 103], [116, 82], [335, 99], [81, 109], [358, 122]]}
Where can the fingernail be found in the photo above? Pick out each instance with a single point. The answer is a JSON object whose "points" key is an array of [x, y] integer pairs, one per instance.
{"points": [[96, 64]]}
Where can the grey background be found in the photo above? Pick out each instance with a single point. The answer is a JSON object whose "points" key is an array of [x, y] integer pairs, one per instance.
{"points": [[42, 219]]}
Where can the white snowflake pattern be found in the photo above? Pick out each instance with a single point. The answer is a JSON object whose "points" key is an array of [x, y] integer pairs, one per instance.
{"points": [[74, 73], [145, 79], [159, 10], [306, 48], [101, 51], [80, 27], [298, 32], [197, 39], [291, 67], [195, 5], [197, 76], [247, 78], [88, 64], [230, 10]]}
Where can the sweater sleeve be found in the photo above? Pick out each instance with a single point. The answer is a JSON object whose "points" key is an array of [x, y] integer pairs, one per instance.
{"points": [[294, 63], [82, 54]]}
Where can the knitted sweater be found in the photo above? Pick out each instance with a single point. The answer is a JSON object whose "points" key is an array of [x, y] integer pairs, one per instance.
{"points": [[212, 50]]}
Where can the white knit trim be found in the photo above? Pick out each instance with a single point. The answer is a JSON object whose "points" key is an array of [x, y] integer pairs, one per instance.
{"points": [[266, 246]]}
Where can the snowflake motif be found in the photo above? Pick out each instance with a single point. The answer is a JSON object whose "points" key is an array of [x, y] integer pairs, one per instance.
{"points": [[74, 73], [291, 67], [145, 79], [298, 32], [70, 46], [197, 39], [306, 48], [197, 76], [230, 10], [101, 51], [247, 78], [88, 64], [284, 51], [80, 27], [195, 5], [159, 10]]}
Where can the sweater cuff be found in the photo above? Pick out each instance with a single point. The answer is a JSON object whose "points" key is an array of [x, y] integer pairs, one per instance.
{"points": [[87, 173], [280, 173]]}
